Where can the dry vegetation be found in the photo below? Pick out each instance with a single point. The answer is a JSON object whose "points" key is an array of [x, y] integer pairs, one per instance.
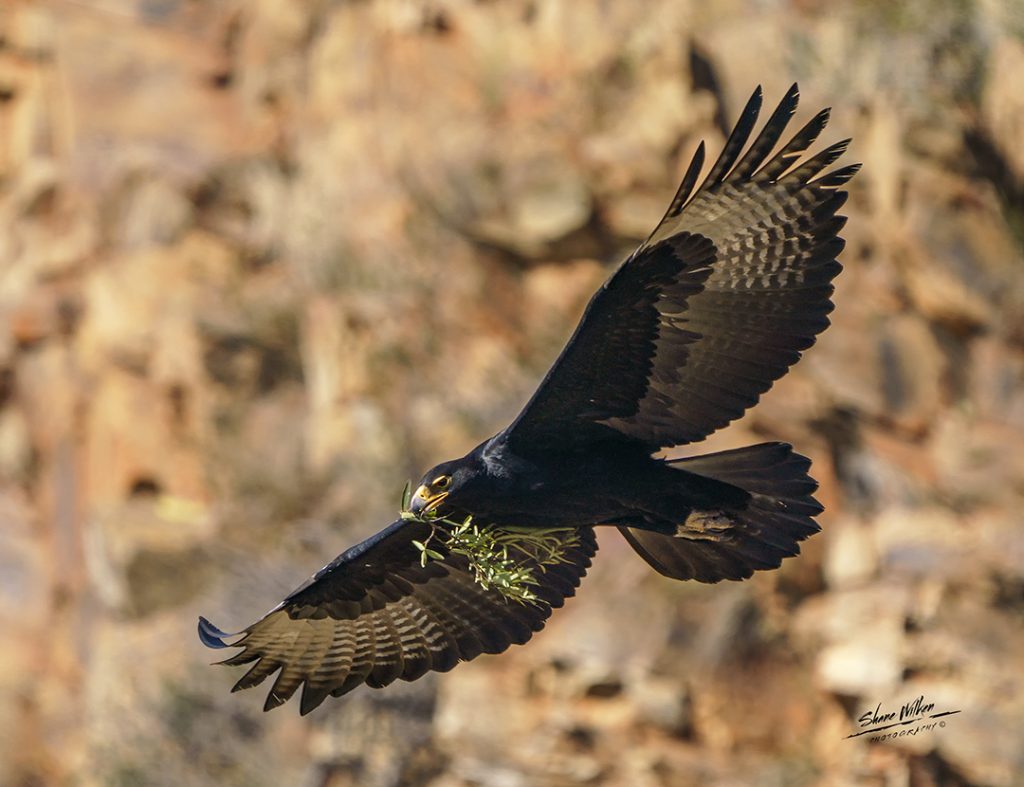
{"points": [[262, 261]]}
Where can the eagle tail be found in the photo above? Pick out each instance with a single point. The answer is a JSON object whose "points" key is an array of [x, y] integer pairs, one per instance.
{"points": [[734, 541]]}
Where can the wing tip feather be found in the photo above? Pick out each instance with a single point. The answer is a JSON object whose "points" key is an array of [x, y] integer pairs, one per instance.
{"points": [[213, 637], [837, 177]]}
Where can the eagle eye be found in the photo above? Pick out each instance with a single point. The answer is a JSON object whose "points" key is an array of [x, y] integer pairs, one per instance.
{"points": [[442, 482]]}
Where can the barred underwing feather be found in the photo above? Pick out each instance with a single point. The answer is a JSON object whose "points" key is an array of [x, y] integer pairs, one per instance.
{"points": [[713, 308], [436, 616]]}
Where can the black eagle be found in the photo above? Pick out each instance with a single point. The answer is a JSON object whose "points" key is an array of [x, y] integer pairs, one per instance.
{"points": [[721, 299]]}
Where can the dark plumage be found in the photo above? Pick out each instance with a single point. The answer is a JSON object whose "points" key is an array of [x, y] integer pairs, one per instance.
{"points": [[717, 304]]}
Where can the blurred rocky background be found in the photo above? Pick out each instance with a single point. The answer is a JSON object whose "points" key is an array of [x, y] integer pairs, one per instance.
{"points": [[263, 260]]}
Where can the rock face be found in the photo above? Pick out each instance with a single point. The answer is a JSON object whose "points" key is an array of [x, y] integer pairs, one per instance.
{"points": [[262, 261]]}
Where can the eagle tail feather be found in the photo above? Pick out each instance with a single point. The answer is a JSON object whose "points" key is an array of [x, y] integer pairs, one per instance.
{"points": [[734, 541]]}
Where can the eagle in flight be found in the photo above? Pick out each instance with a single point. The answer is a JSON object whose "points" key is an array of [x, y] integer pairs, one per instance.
{"points": [[715, 306]]}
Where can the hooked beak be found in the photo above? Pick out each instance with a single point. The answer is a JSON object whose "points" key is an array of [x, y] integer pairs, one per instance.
{"points": [[424, 502]]}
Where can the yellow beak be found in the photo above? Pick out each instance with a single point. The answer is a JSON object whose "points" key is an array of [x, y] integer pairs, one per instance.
{"points": [[424, 501]]}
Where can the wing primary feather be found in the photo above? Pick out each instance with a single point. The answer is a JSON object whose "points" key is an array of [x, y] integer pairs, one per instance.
{"points": [[243, 657], [213, 637], [331, 672], [769, 135], [301, 672], [312, 697], [390, 659], [737, 139], [302, 650], [461, 632], [837, 177], [363, 657], [683, 192], [803, 139], [442, 656], [413, 643], [817, 162], [687, 184], [259, 672]]}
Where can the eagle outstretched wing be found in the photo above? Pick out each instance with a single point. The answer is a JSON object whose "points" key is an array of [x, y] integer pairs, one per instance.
{"points": [[713, 308], [375, 614]]}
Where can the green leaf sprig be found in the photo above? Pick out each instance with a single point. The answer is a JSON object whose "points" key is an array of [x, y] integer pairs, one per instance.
{"points": [[502, 558]]}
